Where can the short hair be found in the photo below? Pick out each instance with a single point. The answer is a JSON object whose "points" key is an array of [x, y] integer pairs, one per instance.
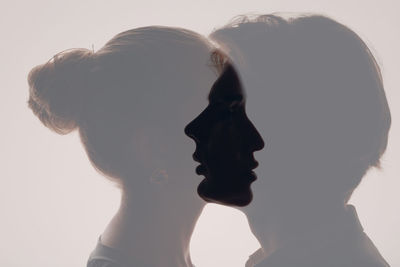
{"points": [[320, 87]]}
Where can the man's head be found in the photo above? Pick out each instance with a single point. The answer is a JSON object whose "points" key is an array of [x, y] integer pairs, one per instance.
{"points": [[316, 95]]}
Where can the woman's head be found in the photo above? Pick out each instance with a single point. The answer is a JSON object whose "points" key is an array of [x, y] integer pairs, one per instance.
{"points": [[316, 95], [130, 100]]}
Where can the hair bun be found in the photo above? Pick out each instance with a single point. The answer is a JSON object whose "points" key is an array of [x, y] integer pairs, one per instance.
{"points": [[57, 89]]}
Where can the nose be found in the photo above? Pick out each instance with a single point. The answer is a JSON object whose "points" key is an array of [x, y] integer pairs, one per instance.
{"points": [[257, 141], [190, 130]]}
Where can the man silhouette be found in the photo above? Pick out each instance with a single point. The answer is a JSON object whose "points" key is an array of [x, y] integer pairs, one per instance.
{"points": [[316, 95]]}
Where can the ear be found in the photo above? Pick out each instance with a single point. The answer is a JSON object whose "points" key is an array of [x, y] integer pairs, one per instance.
{"points": [[159, 177], [149, 152]]}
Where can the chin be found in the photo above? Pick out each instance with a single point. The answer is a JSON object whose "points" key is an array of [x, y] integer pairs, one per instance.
{"points": [[225, 194]]}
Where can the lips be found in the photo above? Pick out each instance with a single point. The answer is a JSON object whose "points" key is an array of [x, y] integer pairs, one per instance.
{"points": [[253, 164], [200, 169], [196, 157], [252, 175]]}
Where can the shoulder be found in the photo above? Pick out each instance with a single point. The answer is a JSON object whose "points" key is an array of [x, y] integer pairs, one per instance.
{"points": [[368, 254], [355, 250], [103, 256], [358, 251]]}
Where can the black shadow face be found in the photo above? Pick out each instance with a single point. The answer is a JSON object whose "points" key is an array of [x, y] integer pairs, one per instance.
{"points": [[225, 141]]}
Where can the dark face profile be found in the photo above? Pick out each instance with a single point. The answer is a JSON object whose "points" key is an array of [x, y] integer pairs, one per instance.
{"points": [[225, 141]]}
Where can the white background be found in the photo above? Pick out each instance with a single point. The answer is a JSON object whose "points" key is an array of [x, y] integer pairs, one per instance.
{"points": [[54, 205]]}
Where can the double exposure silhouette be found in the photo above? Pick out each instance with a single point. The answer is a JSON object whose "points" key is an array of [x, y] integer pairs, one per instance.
{"points": [[225, 141], [315, 94], [307, 86], [130, 102]]}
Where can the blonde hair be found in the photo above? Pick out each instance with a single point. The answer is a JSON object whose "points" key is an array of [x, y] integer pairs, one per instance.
{"points": [[99, 93]]}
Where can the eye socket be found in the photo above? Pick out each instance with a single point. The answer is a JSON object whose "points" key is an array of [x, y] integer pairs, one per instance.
{"points": [[223, 111], [234, 106], [228, 112]]}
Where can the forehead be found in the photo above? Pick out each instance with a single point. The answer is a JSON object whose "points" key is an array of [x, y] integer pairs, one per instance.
{"points": [[227, 87]]}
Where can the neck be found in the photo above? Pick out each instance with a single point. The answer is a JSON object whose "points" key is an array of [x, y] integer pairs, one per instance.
{"points": [[155, 231], [292, 230]]}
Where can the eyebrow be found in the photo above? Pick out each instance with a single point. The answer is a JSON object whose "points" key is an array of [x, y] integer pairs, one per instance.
{"points": [[228, 78], [212, 90]]}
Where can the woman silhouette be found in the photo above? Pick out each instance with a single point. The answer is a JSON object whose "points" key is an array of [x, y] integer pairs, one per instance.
{"points": [[130, 102]]}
